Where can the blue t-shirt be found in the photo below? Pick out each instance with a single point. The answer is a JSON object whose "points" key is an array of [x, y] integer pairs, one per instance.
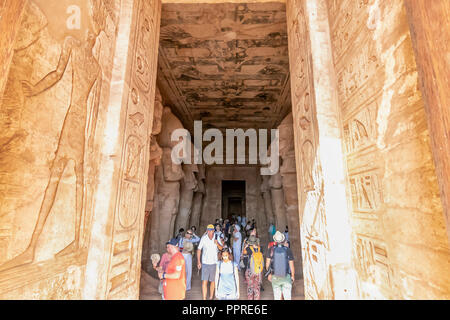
{"points": [[227, 283]]}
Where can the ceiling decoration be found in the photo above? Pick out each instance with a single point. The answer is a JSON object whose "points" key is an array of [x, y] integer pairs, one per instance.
{"points": [[225, 64]]}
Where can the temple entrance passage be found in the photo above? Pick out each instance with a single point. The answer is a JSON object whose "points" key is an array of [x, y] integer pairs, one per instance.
{"points": [[317, 126], [233, 199]]}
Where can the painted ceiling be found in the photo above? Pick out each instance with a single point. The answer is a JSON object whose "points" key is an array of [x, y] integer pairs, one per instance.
{"points": [[225, 64]]}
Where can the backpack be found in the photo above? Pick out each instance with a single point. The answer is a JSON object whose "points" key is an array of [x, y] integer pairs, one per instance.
{"points": [[256, 261], [280, 261]]}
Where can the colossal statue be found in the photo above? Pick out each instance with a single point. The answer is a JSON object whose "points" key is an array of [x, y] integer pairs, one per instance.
{"points": [[155, 160], [188, 187], [199, 194]]}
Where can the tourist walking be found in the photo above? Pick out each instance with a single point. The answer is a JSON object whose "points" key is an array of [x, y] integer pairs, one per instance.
{"points": [[207, 260], [189, 236], [248, 227], [227, 277], [162, 267], [255, 267], [243, 222], [271, 230], [174, 278], [188, 249], [280, 262], [237, 242], [286, 233], [244, 256]]}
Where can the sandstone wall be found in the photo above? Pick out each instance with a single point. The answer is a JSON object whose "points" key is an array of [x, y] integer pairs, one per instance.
{"points": [[324, 215], [46, 138], [76, 118], [399, 234]]}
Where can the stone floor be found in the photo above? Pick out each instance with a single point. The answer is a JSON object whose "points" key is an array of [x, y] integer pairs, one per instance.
{"points": [[149, 288]]}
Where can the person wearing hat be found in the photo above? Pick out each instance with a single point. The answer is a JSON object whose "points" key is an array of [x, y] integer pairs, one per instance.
{"points": [[207, 252], [280, 262], [174, 278], [254, 267]]}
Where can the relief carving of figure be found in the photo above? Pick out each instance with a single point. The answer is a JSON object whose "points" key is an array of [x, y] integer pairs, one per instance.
{"points": [[86, 76]]}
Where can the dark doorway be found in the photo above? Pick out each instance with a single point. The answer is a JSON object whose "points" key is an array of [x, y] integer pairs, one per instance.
{"points": [[233, 198]]}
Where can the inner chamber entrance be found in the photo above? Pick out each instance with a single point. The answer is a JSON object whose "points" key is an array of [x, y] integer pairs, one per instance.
{"points": [[233, 199]]}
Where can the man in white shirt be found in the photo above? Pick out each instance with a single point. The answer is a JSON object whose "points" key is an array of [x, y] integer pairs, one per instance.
{"points": [[207, 260]]}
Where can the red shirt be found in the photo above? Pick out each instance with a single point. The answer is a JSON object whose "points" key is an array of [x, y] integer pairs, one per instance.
{"points": [[175, 289], [271, 244]]}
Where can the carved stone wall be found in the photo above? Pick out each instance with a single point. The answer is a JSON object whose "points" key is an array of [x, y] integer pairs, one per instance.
{"points": [[325, 232], [10, 21], [288, 172], [51, 113], [400, 242]]}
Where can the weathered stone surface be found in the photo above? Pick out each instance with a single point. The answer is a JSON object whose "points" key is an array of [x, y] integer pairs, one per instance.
{"points": [[397, 214], [267, 197], [429, 26], [56, 87], [325, 230], [188, 186], [10, 21], [288, 174], [197, 202]]}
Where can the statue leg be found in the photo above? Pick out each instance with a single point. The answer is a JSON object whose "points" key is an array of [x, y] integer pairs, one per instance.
{"points": [[27, 256], [74, 245]]}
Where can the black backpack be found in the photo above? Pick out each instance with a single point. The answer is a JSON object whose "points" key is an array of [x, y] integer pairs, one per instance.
{"points": [[280, 264]]}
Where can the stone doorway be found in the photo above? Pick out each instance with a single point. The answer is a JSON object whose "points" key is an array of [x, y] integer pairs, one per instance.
{"points": [[233, 199], [357, 186]]}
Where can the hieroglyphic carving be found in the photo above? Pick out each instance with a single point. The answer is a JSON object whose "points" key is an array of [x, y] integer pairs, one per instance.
{"points": [[348, 24], [86, 79], [315, 242], [358, 71], [365, 189], [314, 237], [128, 222], [372, 264]]}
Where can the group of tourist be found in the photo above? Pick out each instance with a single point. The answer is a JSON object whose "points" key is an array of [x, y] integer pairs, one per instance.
{"points": [[226, 248]]}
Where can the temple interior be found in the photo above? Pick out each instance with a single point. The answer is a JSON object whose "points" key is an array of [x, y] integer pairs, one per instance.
{"points": [[357, 92]]}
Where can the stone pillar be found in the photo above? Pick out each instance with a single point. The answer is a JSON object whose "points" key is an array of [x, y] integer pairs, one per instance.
{"points": [[325, 229], [168, 198], [113, 265], [188, 186], [75, 126], [199, 194], [397, 216], [265, 191], [155, 160], [429, 25], [167, 195], [278, 204], [289, 180]]}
